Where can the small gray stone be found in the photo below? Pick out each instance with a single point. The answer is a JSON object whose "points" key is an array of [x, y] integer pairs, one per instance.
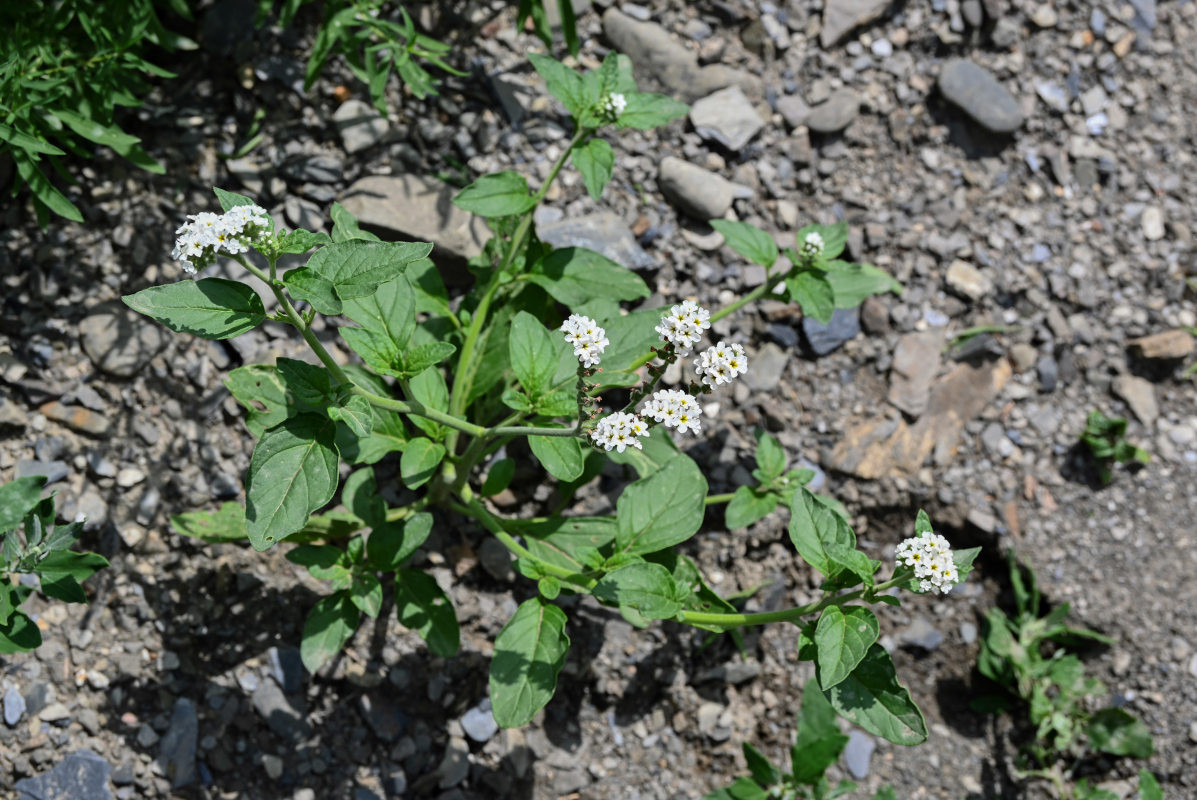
{"points": [[82, 775], [1139, 394], [767, 365], [857, 753], [496, 560], [979, 95], [793, 110], [968, 632], [302, 213], [916, 361], [479, 723], [698, 192], [318, 168], [841, 17], [14, 706], [1048, 370], [967, 281], [921, 633], [727, 117], [836, 114], [286, 667], [284, 718], [360, 125], [176, 754], [823, 339], [383, 716], [1152, 222], [604, 232], [53, 471], [120, 341], [455, 765]]}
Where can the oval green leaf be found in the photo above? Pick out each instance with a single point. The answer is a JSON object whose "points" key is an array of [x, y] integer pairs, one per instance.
{"points": [[212, 308], [293, 472], [529, 654]]}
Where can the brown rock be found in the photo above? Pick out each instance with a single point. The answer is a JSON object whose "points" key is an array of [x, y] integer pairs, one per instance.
{"points": [[880, 447], [916, 360], [77, 418], [1165, 345]]}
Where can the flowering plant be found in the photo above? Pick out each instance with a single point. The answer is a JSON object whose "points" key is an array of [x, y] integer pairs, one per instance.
{"points": [[448, 384]]}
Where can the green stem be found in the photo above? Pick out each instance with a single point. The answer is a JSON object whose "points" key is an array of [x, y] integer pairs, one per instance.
{"points": [[786, 614], [715, 499]]}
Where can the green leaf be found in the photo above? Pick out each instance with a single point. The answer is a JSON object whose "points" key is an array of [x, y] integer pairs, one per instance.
{"points": [[648, 588], [561, 456], [357, 413], [886, 793], [214, 527], [835, 238], [819, 742], [379, 353], [532, 353], [389, 312], [770, 457], [62, 586], [212, 308], [743, 789], [420, 459], [501, 194], [30, 144], [763, 772], [814, 293], [424, 608], [562, 82], [647, 111], [307, 385], [748, 240], [1149, 787], [229, 199], [293, 472], [345, 226], [574, 275], [1116, 731], [843, 638], [852, 284], [79, 566], [813, 527], [595, 160], [19, 635], [572, 543], [329, 625], [18, 498], [428, 355], [662, 510], [46, 193], [366, 593], [357, 268], [300, 241], [748, 504], [107, 135], [872, 698], [322, 556], [306, 285], [261, 390], [529, 654], [498, 477], [392, 543], [429, 388]]}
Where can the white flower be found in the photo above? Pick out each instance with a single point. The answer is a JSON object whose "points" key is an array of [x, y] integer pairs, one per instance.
{"points": [[206, 235], [683, 326], [721, 364], [619, 431], [675, 409], [812, 245], [588, 339], [614, 104], [931, 557]]}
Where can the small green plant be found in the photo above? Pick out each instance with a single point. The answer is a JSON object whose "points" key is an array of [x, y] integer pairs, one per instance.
{"points": [[31, 544], [63, 73], [817, 745], [1027, 655], [1106, 439]]}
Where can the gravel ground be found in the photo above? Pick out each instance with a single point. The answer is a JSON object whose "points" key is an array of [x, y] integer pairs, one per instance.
{"points": [[1016, 165]]}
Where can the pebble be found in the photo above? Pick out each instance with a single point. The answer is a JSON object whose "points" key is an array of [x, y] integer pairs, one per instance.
{"points": [[1139, 395], [1152, 222], [823, 339], [604, 232], [285, 719], [700, 193], [727, 117], [977, 93], [967, 281], [14, 706], [479, 723], [176, 753], [836, 114], [496, 560], [53, 471], [768, 364], [120, 341], [129, 477], [841, 17], [916, 362], [77, 418], [81, 775], [857, 753], [455, 765], [1048, 370], [360, 125], [968, 632], [921, 633]]}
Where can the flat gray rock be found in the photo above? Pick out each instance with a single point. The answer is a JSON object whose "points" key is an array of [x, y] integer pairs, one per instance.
{"points": [[176, 753], [698, 192], [727, 117], [120, 341], [916, 360], [415, 208], [857, 754], [793, 110], [653, 50], [604, 232], [360, 125], [841, 17], [836, 114], [980, 95], [824, 339], [82, 775]]}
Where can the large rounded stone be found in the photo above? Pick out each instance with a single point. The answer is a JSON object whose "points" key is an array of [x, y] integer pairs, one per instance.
{"points": [[120, 341]]}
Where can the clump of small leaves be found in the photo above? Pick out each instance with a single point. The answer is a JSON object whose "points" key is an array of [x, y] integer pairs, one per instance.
{"points": [[1106, 439], [31, 544], [63, 73], [817, 745], [1027, 656]]}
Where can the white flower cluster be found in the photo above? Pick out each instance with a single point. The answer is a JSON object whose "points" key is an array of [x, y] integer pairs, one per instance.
{"points": [[207, 234], [812, 245], [931, 557], [675, 409], [588, 339], [614, 104], [619, 431], [721, 364], [683, 326]]}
